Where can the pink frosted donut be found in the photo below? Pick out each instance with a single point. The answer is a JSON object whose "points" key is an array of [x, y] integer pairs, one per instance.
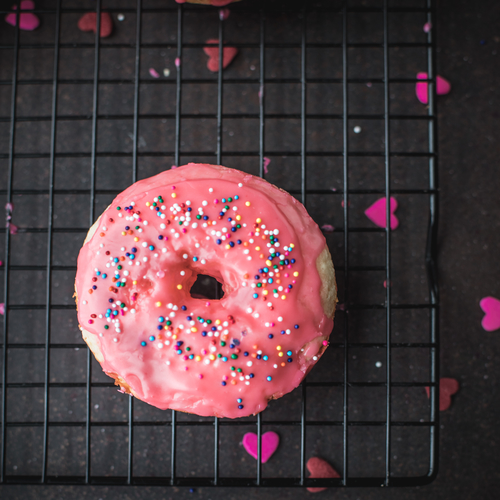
{"points": [[224, 357]]}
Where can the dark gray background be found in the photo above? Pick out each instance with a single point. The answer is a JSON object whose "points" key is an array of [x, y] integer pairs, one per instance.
{"points": [[469, 243]]}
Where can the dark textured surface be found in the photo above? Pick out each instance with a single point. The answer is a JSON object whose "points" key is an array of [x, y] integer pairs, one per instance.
{"points": [[469, 270]]}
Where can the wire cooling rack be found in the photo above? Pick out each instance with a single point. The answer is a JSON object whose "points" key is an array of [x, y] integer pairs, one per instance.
{"points": [[325, 90]]}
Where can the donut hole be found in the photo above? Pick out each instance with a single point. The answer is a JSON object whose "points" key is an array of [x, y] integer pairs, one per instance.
{"points": [[207, 287]]}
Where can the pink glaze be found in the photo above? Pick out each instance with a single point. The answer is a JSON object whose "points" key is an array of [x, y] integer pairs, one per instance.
{"points": [[158, 374]]}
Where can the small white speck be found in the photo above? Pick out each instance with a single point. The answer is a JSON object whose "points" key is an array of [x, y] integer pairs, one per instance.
{"points": [[357, 129], [240, 185], [280, 319], [166, 72], [378, 364], [185, 256], [120, 17], [84, 302]]}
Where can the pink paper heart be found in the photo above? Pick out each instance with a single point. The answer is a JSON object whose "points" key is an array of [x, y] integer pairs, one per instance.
{"points": [[320, 468], [267, 161], [224, 14], [447, 387], [154, 73], [376, 213], [28, 21], [421, 89], [270, 441], [491, 308]]}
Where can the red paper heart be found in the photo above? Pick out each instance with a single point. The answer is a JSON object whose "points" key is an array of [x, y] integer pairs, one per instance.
{"points": [[376, 213], [491, 308], [447, 387], [320, 468], [228, 54], [269, 443], [28, 21], [88, 22]]}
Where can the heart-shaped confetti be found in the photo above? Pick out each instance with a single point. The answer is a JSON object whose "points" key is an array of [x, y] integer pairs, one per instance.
{"points": [[421, 89], [377, 213], [215, 3], [228, 54], [320, 468], [269, 443], [88, 22], [27, 21], [224, 14], [447, 387], [154, 73], [267, 161], [491, 308], [2, 308]]}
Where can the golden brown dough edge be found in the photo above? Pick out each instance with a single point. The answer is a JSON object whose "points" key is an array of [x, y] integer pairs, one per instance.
{"points": [[328, 295]]}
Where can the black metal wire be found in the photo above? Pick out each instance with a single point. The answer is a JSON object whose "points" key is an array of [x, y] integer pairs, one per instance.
{"points": [[387, 145], [345, 168], [7, 244], [48, 301], [302, 152], [431, 248]]}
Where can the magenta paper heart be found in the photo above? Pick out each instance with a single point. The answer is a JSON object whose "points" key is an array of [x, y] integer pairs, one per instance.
{"points": [[491, 308], [376, 213], [28, 21], [270, 441], [421, 89]]}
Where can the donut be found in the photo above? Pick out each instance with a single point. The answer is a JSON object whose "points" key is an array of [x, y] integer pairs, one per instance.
{"points": [[226, 357]]}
